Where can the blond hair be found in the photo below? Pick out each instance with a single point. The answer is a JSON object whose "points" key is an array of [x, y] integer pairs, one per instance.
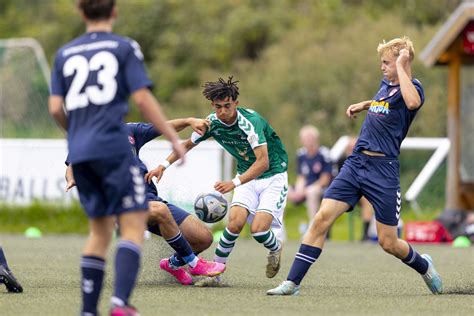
{"points": [[309, 130], [395, 46]]}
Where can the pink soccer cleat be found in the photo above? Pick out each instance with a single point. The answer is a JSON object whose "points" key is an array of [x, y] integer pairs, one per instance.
{"points": [[124, 311], [207, 268], [180, 274]]}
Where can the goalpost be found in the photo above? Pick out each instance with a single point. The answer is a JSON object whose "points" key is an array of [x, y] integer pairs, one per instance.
{"points": [[24, 90], [32, 161]]}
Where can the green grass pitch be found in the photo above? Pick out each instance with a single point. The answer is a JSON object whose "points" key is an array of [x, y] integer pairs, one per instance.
{"points": [[349, 278]]}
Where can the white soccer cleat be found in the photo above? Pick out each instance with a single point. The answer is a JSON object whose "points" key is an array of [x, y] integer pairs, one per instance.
{"points": [[273, 265], [432, 277], [285, 288], [215, 281]]}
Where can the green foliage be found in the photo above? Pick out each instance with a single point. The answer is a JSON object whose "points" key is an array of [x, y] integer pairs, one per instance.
{"points": [[49, 218], [298, 61]]}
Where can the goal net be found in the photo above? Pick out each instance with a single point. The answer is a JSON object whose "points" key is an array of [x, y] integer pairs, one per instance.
{"points": [[24, 85]]}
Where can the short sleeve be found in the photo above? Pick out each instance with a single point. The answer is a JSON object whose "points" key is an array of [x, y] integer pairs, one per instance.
{"points": [[326, 161], [254, 129], [420, 90], [135, 73], [299, 164], [196, 138], [144, 132]]}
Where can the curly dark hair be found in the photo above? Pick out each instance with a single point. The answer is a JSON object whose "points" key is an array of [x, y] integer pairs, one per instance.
{"points": [[96, 10], [221, 89]]}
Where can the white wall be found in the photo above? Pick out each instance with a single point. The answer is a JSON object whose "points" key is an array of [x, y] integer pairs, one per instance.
{"points": [[34, 169]]}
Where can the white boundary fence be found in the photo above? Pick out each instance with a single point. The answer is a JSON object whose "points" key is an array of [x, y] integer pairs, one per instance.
{"points": [[33, 169], [439, 145]]}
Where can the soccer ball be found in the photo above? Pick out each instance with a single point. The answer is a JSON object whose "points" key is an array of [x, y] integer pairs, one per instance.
{"points": [[210, 207]]}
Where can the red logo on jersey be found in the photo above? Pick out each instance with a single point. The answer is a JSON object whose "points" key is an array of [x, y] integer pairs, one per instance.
{"points": [[392, 92]]}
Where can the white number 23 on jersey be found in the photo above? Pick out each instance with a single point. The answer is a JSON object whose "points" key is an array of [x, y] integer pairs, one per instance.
{"points": [[106, 66]]}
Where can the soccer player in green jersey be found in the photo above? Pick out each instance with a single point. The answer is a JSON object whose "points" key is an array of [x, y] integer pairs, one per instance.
{"points": [[261, 184]]}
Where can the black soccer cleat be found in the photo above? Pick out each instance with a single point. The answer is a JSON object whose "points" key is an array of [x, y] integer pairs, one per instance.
{"points": [[7, 278]]}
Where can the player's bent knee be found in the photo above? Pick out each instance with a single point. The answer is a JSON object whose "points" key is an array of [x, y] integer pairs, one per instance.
{"points": [[159, 213], [388, 245], [197, 234], [321, 223], [234, 228]]}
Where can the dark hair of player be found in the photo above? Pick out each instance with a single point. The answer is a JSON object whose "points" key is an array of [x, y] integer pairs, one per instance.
{"points": [[96, 10], [221, 90]]}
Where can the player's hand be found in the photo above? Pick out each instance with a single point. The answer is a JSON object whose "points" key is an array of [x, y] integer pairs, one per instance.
{"points": [[70, 183], [403, 58], [353, 109], [224, 187], [157, 172], [200, 126], [179, 150]]}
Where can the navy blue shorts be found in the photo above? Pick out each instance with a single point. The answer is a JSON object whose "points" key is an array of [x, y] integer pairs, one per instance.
{"points": [[376, 178], [178, 213], [110, 186]]}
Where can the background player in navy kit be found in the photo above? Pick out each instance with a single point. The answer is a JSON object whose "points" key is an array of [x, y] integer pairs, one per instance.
{"points": [[94, 75], [314, 171], [7, 277], [373, 170], [186, 234]]}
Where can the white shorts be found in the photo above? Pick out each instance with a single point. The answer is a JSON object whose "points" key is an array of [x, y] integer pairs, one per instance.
{"points": [[264, 195]]}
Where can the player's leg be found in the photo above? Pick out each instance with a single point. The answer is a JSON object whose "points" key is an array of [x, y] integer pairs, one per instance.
{"points": [[164, 220], [263, 234], [197, 233], [7, 277], [272, 201], [423, 264], [162, 223], [366, 214], [382, 189], [88, 177], [127, 258], [341, 196], [313, 200], [237, 219], [93, 261], [311, 247]]}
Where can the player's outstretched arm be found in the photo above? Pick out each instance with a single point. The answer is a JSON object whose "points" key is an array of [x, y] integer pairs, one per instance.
{"points": [[410, 94], [56, 110], [70, 182], [200, 126], [151, 109], [261, 164], [353, 109], [158, 171]]}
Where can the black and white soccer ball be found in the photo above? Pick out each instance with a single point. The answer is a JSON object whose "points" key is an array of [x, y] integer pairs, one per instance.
{"points": [[210, 207]]}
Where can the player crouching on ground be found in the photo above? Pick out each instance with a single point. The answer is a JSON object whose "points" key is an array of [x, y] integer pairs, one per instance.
{"points": [[261, 185], [186, 234], [373, 170]]}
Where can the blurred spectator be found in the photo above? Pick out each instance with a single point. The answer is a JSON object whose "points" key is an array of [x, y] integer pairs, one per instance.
{"points": [[367, 211], [458, 223], [313, 171]]}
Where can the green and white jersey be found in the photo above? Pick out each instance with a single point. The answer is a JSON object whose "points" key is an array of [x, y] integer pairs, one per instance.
{"points": [[249, 131]]}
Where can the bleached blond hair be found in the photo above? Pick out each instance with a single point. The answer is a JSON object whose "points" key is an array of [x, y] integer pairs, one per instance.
{"points": [[394, 47]]}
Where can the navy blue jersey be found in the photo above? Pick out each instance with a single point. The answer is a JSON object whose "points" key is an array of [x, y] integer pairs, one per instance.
{"points": [[387, 121], [95, 74], [138, 135], [311, 167]]}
